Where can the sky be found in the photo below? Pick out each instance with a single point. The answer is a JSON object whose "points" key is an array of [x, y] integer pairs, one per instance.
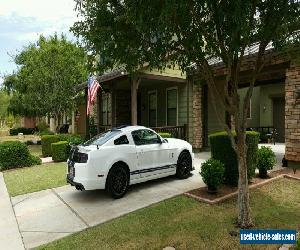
{"points": [[22, 21]]}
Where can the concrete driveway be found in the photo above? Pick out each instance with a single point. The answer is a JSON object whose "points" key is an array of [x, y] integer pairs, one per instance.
{"points": [[54, 213]]}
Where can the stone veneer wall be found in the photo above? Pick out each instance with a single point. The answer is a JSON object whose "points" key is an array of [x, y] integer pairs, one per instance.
{"points": [[292, 114], [197, 117]]}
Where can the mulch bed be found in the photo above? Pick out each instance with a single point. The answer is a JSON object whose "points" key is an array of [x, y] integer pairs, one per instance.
{"points": [[225, 191]]}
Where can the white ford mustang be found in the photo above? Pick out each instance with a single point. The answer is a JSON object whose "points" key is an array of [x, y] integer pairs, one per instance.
{"points": [[127, 155]]}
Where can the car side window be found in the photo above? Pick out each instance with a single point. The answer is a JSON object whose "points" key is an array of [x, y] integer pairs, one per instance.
{"points": [[121, 140], [145, 137]]}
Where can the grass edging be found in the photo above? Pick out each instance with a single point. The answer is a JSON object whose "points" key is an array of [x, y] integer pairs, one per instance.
{"points": [[228, 196]]}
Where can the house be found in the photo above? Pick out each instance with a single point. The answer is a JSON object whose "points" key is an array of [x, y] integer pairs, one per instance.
{"points": [[174, 102]]}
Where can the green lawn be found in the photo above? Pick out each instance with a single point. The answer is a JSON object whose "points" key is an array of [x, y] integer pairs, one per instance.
{"points": [[35, 150], [32, 179], [184, 223]]}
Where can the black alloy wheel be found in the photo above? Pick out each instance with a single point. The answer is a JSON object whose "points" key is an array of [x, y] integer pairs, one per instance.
{"points": [[117, 182], [184, 165]]}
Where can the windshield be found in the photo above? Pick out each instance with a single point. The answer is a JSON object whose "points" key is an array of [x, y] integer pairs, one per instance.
{"points": [[102, 138]]}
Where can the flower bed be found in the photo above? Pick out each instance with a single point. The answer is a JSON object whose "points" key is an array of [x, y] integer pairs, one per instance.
{"points": [[226, 192]]}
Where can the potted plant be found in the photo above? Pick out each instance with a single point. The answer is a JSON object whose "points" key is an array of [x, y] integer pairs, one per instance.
{"points": [[212, 172], [266, 159]]}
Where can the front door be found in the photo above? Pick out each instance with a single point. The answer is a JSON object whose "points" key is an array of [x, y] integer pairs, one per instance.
{"points": [[279, 118]]}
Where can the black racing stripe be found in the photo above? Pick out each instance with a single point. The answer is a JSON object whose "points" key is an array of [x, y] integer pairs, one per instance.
{"points": [[146, 170]]}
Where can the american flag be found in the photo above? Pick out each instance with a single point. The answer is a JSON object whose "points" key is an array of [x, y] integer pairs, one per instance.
{"points": [[93, 87]]}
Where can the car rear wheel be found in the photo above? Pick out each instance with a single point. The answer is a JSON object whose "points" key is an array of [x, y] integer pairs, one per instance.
{"points": [[184, 165], [117, 182]]}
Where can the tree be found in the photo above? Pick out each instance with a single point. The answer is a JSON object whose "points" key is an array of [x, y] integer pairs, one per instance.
{"points": [[4, 102], [165, 33], [44, 82]]}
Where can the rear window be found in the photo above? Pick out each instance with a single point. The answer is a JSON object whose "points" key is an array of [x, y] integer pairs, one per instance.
{"points": [[102, 138]]}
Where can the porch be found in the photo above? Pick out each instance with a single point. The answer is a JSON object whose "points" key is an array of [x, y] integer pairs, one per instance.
{"points": [[274, 103], [159, 101]]}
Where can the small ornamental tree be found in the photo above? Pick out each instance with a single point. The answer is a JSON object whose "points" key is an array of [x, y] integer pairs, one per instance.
{"points": [[163, 33]]}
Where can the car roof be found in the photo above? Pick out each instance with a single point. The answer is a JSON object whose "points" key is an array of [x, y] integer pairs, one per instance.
{"points": [[130, 128]]}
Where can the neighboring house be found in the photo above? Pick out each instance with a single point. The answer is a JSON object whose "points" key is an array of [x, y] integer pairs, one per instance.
{"points": [[177, 103], [28, 122]]}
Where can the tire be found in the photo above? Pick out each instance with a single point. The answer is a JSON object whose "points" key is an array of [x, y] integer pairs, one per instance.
{"points": [[117, 182], [184, 165]]}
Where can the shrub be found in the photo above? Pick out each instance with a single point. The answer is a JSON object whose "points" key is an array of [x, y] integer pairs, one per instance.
{"points": [[60, 151], [165, 135], [16, 154], [34, 160], [222, 150], [71, 139], [266, 159], [47, 140], [212, 172], [42, 126], [46, 132], [25, 131]]}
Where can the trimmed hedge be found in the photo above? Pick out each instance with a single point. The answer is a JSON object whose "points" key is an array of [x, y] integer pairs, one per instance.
{"points": [[15, 154], [47, 140], [60, 151], [71, 139], [165, 135], [25, 131], [222, 150]]}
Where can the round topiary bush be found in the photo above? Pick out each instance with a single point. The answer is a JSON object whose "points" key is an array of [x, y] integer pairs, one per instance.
{"points": [[212, 172], [15, 154], [222, 150], [60, 151], [47, 140], [266, 159]]}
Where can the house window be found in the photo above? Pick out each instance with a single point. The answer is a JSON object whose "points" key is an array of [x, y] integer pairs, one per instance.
{"points": [[249, 115], [105, 110], [152, 96], [172, 103]]}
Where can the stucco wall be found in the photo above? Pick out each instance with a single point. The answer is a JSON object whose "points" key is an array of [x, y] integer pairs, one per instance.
{"points": [[214, 124], [266, 103], [262, 104], [254, 121]]}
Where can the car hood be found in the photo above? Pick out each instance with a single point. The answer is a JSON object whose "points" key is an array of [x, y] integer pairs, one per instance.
{"points": [[177, 142]]}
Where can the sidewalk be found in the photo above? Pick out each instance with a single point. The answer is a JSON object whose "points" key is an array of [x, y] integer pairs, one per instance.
{"points": [[10, 237]]}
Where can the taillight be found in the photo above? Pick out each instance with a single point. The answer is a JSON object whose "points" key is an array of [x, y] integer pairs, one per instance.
{"points": [[80, 157]]}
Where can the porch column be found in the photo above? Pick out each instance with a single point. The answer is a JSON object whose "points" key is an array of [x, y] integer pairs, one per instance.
{"points": [[292, 115], [113, 105], [134, 87], [52, 124], [73, 123], [197, 117]]}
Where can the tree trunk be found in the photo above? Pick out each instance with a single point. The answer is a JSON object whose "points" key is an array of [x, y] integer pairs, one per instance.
{"points": [[244, 219]]}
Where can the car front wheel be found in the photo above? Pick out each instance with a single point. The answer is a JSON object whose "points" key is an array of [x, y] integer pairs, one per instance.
{"points": [[117, 182], [184, 165]]}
